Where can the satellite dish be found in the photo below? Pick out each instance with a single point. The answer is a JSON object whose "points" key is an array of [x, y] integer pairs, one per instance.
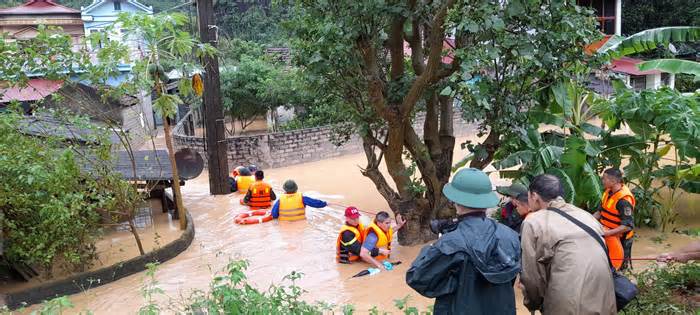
{"points": [[189, 163]]}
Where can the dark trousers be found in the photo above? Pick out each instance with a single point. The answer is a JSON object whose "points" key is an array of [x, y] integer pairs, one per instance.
{"points": [[627, 248]]}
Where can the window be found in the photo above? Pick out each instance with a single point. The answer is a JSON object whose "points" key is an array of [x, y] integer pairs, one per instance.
{"points": [[638, 82], [665, 79], [117, 6]]}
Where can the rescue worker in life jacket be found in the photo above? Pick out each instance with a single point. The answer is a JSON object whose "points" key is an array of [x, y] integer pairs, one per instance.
{"points": [[615, 212], [376, 244], [349, 243], [292, 205], [260, 194], [241, 179]]}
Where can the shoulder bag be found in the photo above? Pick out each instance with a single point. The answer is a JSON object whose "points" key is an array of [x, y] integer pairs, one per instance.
{"points": [[625, 290]]}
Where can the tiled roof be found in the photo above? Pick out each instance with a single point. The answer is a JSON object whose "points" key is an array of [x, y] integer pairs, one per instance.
{"points": [[34, 7], [35, 90]]}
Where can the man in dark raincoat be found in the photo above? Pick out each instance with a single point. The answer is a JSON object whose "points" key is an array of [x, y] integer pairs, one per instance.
{"points": [[471, 269]]}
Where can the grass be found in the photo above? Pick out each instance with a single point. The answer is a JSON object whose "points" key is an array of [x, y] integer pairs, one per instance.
{"points": [[671, 289]]}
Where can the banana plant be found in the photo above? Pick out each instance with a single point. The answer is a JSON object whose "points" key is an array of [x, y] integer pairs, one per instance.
{"points": [[618, 46]]}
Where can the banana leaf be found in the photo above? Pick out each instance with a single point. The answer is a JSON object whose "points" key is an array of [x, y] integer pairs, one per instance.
{"points": [[650, 39], [671, 66]]}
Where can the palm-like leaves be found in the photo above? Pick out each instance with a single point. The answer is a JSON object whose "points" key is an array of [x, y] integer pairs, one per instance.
{"points": [[651, 39], [672, 66]]}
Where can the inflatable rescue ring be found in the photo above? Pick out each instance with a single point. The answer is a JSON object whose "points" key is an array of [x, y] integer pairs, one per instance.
{"points": [[253, 217]]}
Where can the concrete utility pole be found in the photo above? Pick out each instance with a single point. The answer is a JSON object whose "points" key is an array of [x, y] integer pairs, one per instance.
{"points": [[215, 133]]}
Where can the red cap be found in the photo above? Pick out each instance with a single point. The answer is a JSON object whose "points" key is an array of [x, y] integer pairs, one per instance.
{"points": [[352, 213]]}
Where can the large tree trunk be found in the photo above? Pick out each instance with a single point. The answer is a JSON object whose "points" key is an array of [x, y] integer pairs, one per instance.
{"points": [[433, 153], [417, 228]]}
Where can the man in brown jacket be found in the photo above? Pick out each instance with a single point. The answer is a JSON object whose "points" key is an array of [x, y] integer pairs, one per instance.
{"points": [[565, 271]]}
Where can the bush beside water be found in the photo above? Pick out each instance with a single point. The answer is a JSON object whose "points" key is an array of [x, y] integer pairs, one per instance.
{"points": [[662, 290]]}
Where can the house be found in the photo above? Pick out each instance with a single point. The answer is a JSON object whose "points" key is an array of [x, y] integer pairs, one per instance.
{"points": [[102, 14], [21, 22], [609, 15], [123, 114]]}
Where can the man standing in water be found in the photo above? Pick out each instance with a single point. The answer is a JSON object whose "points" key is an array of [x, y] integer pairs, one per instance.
{"points": [[376, 245], [472, 267], [292, 205], [615, 213], [350, 237]]}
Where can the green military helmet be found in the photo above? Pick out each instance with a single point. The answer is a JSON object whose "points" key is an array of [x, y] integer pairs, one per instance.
{"points": [[290, 186], [512, 191], [471, 188]]}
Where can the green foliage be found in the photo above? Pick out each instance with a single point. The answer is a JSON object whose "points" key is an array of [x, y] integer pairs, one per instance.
{"points": [[672, 66], [666, 290], [232, 294], [687, 83], [254, 87], [49, 206], [234, 50], [258, 21], [639, 15], [666, 121], [650, 40], [512, 73]]}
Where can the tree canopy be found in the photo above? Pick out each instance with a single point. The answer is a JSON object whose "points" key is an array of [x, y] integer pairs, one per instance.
{"points": [[387, 60]]}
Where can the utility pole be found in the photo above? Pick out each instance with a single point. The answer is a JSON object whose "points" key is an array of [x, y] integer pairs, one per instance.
{"points": [[215, 133]]}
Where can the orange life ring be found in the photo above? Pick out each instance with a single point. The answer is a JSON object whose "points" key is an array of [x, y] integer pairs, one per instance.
{"points": [[253, 217]]}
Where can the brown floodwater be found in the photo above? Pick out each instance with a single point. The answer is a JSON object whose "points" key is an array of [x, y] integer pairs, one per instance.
{"points": [[276, 249], [118, 244]]}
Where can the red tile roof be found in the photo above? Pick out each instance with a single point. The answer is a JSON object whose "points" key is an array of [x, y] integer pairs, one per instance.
{"points": [[593, 47], [35, 90], [33, 7], [628, 65]]}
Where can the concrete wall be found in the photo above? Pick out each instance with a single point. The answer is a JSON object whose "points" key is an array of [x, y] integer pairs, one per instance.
{"points": [[292, 147], [135, 124]]}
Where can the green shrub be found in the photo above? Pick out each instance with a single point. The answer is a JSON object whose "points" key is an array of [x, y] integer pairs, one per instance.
{"points": [[665, 290], [48, 206]]}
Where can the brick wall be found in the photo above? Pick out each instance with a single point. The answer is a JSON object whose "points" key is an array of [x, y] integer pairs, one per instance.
{"points": [[292, 147]]}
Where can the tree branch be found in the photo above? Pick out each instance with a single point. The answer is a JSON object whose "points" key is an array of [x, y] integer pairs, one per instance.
{"points": [[436, 37]]}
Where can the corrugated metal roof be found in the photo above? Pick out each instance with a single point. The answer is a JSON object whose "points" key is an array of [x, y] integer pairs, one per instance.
{"points": [[32, 7], [628, 65], [35, 90]]}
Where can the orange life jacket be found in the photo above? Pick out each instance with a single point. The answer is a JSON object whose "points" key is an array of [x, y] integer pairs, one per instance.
{"points": [[342, 253], [610, 215], [244, 182], [383, 238], [260, 197], [292, 207]]}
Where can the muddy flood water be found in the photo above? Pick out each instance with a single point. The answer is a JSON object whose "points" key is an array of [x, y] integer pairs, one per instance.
{"points": [[276, 249]]}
